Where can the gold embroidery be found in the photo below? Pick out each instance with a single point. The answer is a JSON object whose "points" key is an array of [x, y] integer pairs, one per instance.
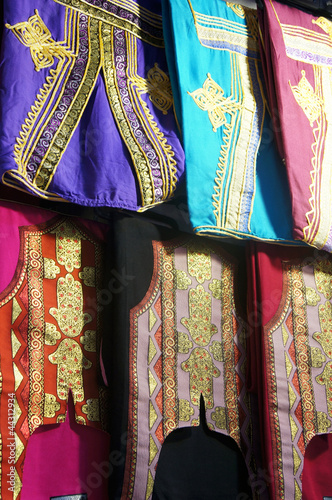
{"points": [[201, 370], [298, 491], [51, 406], [88, 276], [291, 396], [237, 8], [324, 337], [89, 340], [199, 263], [50, 269], [16, 310], [72, 117], [284, 334], [91, 409], [152, 415], [317, 357], [185, 410], [157, 85], [211, 98], [149, 486], [152, 383], [296, 461], [182, 280], [35, 35], [152, 319], [288, 364], [137, 155], [220, 418], [293, 427], [153, 450], [323, 277], [184, 343], [18, 377], [307, 99], [215, 288], [151, 33], [152, 350], [68, 246], [70, 363], [323, 423], [213, 31], [18, 485], [199, 324], [36, 331], [51, 334], [312, 296], [325, 24], [16, 344], [69, 314], [325, 378], [216, 350]]}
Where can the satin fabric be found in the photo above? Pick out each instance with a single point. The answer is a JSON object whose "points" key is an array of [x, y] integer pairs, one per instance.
{"points": [[297, 56], [88, 118], [236, 182]]}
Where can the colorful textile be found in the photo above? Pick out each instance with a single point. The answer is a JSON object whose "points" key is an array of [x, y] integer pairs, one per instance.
{"points": [[236, 183], [178, 335], [86, 103], [297, 53], [50, 335], [79, 453], [293, 379]]}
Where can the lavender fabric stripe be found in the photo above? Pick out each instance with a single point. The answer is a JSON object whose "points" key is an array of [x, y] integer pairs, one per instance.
{"points": [[217, 44], [127, 15], [253, 146], [70, 90], [308, 57], [120, 56]]}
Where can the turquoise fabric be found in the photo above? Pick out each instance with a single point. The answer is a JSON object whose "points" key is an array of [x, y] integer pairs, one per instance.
{"points": [[236, 181]]}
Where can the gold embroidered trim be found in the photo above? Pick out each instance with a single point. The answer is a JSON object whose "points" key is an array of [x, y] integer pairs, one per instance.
{"points": [[307, 99], [36, 333], [35, 35], [161, 96], [301, 343], [139, 159], [64, 133], [151, 34], [211, 30], [70, 363], [211, 98], [29, 136]]}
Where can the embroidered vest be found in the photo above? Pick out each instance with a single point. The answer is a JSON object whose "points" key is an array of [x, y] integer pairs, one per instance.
{"points": [[50, 338], [186, 339], [296, 361]]}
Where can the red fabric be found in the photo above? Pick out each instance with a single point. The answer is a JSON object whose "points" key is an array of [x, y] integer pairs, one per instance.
{"points": [[317, 481]]}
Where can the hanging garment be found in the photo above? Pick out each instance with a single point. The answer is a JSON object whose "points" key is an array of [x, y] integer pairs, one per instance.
{"points": [[50, 331], [292, 301], [236, 183], [177, 335], [78, 452], [297, 53], [86, 103]]}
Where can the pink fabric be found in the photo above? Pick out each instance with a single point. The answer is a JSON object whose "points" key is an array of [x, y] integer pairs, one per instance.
{"points": [[66, 459], [298, 59], [14, 215]]}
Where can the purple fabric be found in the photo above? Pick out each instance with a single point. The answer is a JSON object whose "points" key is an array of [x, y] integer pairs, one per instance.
{"points": [[95, 162]]}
